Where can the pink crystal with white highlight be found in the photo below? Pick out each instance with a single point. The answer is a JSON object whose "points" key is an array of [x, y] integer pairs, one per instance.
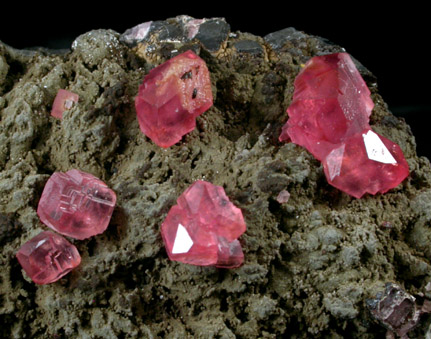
{"points": [[64, 100], [366, 163], [203, 228], [76, 204], [171, 96], [47, 257]]}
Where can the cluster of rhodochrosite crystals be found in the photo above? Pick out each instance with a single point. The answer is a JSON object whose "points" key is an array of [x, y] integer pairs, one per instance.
{"points": [[329, 116], [75, 204]]}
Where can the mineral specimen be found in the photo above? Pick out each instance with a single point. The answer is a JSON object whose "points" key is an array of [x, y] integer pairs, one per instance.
{"points": [[171, 96], [47, 257], [309, 263], [329, 116], [64, 100], [76, 204], [203, 228], [395, 309]]}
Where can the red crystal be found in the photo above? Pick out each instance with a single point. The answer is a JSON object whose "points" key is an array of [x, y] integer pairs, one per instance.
{"points": [[365, 163], [47, 257], [64, 100], [203, 228], [76, 204], [171, 96], [329, 116], [331, 102], [283, 197]]}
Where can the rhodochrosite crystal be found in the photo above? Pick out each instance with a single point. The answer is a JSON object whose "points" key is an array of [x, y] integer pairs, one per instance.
{"points": [[329, 116], [365, 163], [64, 100], [47, 257], [171, 96], [203, 228], [76, 204], [331, 102]]}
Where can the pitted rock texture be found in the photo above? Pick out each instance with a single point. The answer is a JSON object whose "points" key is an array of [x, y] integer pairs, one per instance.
{"points": [[310, 263]]}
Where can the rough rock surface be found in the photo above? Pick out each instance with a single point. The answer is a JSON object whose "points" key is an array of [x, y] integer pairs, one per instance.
{"points": [[310, 263]]}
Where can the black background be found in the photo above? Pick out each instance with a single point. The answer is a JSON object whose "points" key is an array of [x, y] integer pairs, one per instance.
{"points": [[392, 42]]}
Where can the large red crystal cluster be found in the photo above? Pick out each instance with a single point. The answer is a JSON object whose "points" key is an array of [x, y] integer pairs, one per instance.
{"points": [[75, 204], [171, 96], [329, 116], [203, 228]]}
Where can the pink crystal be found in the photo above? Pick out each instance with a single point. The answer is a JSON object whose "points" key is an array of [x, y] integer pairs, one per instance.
{"points": [[64, 100], [365, 163], [138, 32], [47, 257], [192, 27], [76, 204], [329, 116], [171, 96], [203, 228], [283, 197], [331, 102]]}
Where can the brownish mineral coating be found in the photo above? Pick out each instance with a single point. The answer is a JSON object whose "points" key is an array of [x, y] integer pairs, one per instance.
{"points": [[310, 263]]}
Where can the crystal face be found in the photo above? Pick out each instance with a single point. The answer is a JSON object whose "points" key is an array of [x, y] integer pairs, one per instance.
{"points": [[202, 229], [376, 149], [171, 96], [76, 204], [64, 100], [329, 116], [183, 242], [47, 257]]}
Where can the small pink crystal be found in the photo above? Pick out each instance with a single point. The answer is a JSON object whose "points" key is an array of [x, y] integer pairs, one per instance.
{"points": [[331, 102], [204, 227], [171, 96], [329, 116], [283, 197], [192, 27], [64, 100], [47, 257], [76, 204], [138, 32]]}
